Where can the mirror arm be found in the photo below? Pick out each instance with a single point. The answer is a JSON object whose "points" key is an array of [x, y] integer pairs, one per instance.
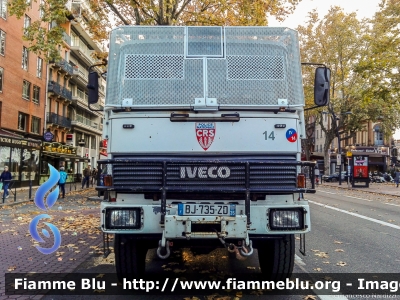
{"points": [[312, 107], [103, 63], [313, 64]]}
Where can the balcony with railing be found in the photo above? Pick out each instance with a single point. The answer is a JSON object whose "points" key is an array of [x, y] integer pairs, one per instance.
{"points": [[78, 46], [87, 123], [60, 91], [53, 118], [83, 98], [66, 67], [67, 38]]}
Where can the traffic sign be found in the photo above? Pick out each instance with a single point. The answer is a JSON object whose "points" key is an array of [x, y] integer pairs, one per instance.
{"points": [[349, 154], [338, 159]]}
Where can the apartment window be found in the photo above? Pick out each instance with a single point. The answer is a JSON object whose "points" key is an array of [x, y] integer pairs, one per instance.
{"points": [[22, 121], [36, 94], [92, 142], [78, 138], [39, 67], [35, 125], [1, 79], [26, 90], [41, 8], [25, 54], [27, 23], [2, 42], [3, 9]]}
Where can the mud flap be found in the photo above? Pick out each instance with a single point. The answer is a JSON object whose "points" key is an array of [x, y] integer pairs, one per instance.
{"points": [[106, 245], [302, 248]]}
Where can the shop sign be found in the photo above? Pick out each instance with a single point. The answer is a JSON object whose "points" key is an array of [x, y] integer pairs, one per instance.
{"points": [[70, 139], [48, 136], [103, 152], [56, 148], [377, 150], [18, 142]]}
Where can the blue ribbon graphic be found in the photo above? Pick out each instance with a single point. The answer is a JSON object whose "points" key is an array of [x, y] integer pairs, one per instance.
{"points": [[51, 200]]}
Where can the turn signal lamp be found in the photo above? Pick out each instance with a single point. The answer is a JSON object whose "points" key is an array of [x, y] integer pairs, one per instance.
{"points": [[301, 181]]}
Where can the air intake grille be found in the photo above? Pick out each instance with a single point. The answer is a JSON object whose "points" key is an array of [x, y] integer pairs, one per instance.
{"points": [[208, 176]]}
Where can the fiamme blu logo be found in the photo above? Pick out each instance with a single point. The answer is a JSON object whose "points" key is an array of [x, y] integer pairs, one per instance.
{"points": [[40, 203]]}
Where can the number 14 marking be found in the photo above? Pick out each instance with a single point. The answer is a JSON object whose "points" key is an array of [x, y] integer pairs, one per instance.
{"points": [[271, 136]]}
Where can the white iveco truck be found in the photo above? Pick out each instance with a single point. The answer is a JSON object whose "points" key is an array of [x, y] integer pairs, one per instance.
{"points": [[204, 126]]}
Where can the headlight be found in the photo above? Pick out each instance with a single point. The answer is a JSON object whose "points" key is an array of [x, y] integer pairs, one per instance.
{"points": [[286, 219], [123, 218]]}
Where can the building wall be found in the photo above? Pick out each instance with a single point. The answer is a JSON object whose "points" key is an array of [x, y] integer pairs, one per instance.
{"points": [[11, 96]]}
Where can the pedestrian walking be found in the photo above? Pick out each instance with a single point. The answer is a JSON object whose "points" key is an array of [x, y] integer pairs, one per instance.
{"points": [[86, 176], [6, 177], [397, 177], [94, 176], [62, 181]]}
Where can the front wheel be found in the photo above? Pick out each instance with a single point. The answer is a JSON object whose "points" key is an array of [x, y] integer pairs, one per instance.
{"points": [[276, 257], [130, 257]]}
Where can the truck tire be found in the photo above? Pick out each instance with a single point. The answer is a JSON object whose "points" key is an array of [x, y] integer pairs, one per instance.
{"points": [[130, 257], [276, 257]]}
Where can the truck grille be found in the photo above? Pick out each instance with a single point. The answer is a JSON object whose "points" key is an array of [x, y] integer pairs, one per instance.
{"points": [[208, 175]]}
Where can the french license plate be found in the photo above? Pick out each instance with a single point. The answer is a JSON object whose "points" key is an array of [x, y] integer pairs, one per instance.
{"points": [[207, 209]]}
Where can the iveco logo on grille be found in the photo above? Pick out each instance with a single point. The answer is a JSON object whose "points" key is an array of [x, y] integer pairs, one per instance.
{"points": [[205, 172]]}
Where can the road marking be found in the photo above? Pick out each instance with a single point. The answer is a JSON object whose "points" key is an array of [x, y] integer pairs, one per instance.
{"points": [[358, 198], [318, 292], [298, 260], [392, 204], [333, 297], [356, 215], [327, 192]]}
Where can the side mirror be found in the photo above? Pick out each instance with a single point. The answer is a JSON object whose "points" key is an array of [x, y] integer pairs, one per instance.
{"points": [[321, 86], [93, 87]]}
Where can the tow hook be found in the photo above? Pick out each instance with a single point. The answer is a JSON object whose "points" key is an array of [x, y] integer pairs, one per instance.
{"points": [[246, 252], [163, 249], [231, 248]]}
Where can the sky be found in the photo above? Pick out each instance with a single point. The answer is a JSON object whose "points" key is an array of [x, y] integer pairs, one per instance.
{"points": [[364, 9]]}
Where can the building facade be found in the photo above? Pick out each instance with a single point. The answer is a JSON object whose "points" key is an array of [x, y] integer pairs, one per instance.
{"points": [[22, 98], [369, 141], [76, 129]]}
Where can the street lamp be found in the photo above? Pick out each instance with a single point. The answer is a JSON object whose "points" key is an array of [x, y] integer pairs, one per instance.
{"points": [[338, 138]]}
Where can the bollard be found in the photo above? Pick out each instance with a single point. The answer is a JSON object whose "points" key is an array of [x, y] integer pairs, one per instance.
{"points": [[30, 189], [15, 194]]}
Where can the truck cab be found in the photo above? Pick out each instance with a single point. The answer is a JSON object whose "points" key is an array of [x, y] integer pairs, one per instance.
{"points": [[204, 129]]}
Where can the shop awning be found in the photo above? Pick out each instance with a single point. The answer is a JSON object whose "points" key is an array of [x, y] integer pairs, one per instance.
{"points": [[66, 156]]}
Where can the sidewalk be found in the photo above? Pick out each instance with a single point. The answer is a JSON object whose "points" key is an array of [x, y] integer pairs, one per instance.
{"points": [[21, 195], [377, 188]]}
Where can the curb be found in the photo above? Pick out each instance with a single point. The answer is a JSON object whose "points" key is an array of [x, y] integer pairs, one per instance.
{"points": [[362, 190], [94, 198], [14, 203]]}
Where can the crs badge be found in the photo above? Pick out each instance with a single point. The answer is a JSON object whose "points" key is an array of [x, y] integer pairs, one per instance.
{"points": [[205, 133]]}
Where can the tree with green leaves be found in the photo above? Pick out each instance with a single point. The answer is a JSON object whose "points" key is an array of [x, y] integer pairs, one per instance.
{"points": [[104, 14], [335, 40], [379, 67]]}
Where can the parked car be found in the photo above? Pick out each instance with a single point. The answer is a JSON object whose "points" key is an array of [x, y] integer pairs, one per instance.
{"points": [[330, 178]]}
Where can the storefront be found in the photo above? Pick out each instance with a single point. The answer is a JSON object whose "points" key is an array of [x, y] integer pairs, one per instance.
{"points": [[22, 158], [59, 155], [378, 157]]}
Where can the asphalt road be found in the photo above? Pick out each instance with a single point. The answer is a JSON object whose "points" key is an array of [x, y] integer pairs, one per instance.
{"points": [[352, 232]]}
